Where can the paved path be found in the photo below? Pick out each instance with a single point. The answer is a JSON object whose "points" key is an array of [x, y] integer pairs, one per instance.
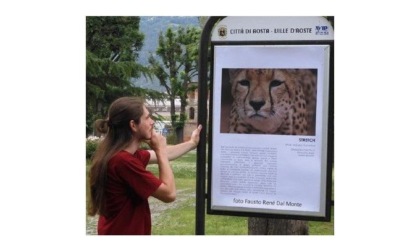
{"points": [[156, 207]]}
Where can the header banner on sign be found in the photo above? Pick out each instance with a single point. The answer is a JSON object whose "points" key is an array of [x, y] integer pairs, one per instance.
{"points": [[270, 135], [272, 29]]}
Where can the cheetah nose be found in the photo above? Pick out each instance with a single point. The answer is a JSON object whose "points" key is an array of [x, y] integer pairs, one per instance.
{"points": [[257, 104]]}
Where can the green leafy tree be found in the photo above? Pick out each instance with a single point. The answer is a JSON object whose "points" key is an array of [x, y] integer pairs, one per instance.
{"points": [[203, 20], [112, 46], [174, 65]]}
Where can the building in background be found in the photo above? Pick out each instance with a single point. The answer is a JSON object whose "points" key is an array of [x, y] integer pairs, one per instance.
{"points": [[191, 110], [163, 108]]}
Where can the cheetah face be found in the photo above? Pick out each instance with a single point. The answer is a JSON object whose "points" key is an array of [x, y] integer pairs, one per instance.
{"points": [[262, 97]]}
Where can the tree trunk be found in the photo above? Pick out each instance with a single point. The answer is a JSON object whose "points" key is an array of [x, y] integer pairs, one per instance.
{"points": [[179, 134], [173, 112], [265, 226]]}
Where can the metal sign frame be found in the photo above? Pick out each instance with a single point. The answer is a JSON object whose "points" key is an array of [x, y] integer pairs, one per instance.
{"points": [[206, 84]]}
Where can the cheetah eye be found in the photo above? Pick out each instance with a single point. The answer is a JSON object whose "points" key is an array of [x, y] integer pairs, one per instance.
{"points": [[244, 83], [275, 83]]}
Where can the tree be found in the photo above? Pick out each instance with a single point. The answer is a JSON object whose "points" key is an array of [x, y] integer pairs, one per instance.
{"points": [[189, 39], [203, 20], [178, 64], [266, 226], [112, 46]]}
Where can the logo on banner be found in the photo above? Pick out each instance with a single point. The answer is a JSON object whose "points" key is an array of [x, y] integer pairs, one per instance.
{"points": [[222, 32], [321, 30]]}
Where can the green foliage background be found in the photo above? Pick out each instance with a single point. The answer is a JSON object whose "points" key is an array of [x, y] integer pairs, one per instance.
{"points": [[113, 49]]}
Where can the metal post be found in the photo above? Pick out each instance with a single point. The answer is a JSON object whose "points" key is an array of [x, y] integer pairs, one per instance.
{"points": [[202, 119]]}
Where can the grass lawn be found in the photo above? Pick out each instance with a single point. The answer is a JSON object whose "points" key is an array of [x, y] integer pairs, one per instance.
{"points": [[178, 218]]}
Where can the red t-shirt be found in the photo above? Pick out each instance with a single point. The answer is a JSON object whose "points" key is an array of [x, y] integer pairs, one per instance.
{"points": [[129, 185]]}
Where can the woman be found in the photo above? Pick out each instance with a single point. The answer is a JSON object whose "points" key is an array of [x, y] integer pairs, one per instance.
{"points": [[119, 182]]}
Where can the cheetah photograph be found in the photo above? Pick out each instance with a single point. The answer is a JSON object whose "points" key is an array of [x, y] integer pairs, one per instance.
{"points": [[268, 101]]}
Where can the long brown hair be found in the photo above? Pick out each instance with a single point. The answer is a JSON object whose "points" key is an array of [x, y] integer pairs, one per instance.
{"points": [[118, 136]]}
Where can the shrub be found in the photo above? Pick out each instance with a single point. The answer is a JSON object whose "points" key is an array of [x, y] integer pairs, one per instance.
{"points": [[171, 139], [91, 145]]}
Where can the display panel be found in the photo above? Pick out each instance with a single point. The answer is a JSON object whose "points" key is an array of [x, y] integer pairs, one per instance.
{"points": [[268, 150]]}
